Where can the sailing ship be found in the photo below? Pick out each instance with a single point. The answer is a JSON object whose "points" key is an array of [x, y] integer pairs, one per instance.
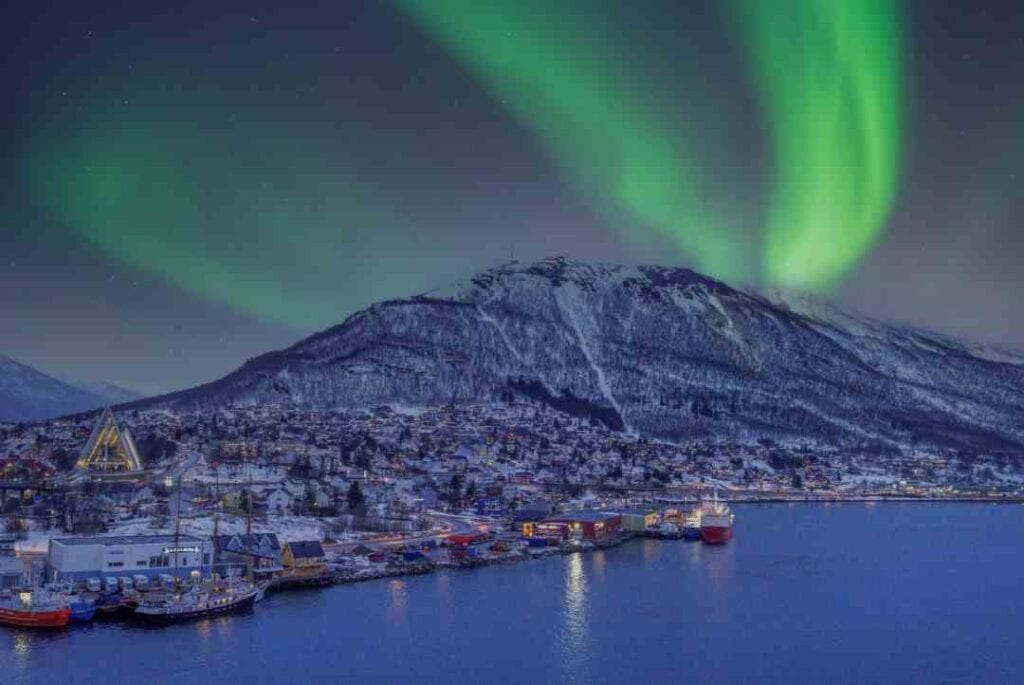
{"points": [[198, 600], [201, 601]]}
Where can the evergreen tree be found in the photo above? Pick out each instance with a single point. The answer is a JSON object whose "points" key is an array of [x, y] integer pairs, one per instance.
{"points": [[355, 499]]}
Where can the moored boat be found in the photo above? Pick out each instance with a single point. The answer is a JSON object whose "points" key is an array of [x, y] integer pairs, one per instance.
{"points": [[716, 521], [211, 599], [82, 610], [33, 609], [691, 525], [113, 605]]}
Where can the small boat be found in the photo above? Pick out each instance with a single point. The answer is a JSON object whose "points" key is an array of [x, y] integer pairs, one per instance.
{"points": [[716, 521], [113, 605], [33, 609], [82, 610], [691, 525], [211, 599]]}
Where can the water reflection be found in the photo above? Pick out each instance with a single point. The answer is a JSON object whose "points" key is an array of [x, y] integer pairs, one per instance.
{"points": [[443, 588], [575, 640], [650, 550], [398, 594], [721, 565], [21, 645]]}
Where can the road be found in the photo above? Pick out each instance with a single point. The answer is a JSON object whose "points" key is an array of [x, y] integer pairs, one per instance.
{"points": [[450, 523]]}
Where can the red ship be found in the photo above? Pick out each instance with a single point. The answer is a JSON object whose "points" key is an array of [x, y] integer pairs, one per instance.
{"points": [[716, 521], [33, 610]]}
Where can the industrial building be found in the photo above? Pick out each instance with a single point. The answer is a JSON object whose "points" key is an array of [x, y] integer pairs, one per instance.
{"points": [[78, 559], [584, 525], [639, 519]]}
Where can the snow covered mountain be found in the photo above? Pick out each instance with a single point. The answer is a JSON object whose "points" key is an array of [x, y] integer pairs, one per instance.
{"points": [[28, 395], [665, 352]]}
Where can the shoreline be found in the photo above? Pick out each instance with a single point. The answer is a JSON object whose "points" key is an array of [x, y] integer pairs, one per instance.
{"points": [[783, 499]]}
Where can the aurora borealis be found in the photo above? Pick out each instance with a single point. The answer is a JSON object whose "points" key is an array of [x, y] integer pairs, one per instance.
{"points": [[552, 69], [829, 73], [210, 181]]}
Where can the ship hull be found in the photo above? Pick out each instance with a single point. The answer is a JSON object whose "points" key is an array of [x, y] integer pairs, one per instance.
{"points": [[160, 618], [716, 535], [82, 613], [56, 618]]}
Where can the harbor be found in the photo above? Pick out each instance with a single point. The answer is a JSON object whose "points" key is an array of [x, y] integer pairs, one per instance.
{"points": [[815, 575], [183, 577]]}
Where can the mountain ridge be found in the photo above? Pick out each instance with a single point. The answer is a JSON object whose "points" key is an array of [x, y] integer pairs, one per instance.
{"points": [[662, 351]]}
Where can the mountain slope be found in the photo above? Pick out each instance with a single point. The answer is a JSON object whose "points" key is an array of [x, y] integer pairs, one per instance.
{"points": [[665, 352], [108, 393], [27, 394]]}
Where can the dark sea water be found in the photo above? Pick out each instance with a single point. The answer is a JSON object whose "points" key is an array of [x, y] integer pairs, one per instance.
{"points": [[850, 593]]}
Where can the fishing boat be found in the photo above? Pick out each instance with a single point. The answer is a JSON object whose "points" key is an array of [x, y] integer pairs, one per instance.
{"points": [[201, 601], [716, 521], [33, 609]]}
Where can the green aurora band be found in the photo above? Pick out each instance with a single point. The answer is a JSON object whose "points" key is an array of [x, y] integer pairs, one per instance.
{"points": [[828, 73], [557, 72]]}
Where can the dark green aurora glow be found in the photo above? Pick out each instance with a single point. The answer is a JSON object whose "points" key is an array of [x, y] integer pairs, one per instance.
{"points": [[261, 225], [152, 193]]}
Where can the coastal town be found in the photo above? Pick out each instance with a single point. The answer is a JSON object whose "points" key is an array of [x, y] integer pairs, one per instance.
{"points": [[108, 507]]}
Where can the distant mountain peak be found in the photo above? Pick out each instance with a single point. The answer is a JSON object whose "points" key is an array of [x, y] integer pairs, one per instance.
{"points": [[27, 394]]}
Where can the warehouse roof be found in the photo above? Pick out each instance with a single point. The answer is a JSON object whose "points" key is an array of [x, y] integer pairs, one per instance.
{"points": [[639, 511], [582, 516], [109, 540]]}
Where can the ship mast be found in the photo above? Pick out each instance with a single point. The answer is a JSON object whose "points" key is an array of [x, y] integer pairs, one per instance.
{"points": [[248, 506], [216, 501], [177, 537]]}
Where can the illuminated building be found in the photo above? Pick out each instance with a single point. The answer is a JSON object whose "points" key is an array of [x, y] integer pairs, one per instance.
{"points": [[583, 525], [109, 449], [77, 559]]}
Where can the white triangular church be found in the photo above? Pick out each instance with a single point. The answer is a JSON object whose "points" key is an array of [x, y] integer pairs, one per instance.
{"points": [[109, 449]]}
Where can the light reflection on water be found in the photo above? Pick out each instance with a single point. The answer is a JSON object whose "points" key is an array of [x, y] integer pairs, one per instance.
{"points": [[21, 645], [650, 550], [398, 592], [576, 635]]}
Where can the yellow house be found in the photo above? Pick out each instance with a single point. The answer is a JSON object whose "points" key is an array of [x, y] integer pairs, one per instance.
{"points": [[304, 559]]}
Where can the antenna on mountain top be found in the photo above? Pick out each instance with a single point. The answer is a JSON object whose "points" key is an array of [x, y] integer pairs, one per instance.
{"points": [[512, 253]]}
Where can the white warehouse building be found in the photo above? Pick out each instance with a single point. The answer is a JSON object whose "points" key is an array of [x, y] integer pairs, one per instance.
{"points": [[78, 559]]}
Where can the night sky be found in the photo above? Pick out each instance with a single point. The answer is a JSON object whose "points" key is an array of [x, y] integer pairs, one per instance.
{"points": [[188, 185]]}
